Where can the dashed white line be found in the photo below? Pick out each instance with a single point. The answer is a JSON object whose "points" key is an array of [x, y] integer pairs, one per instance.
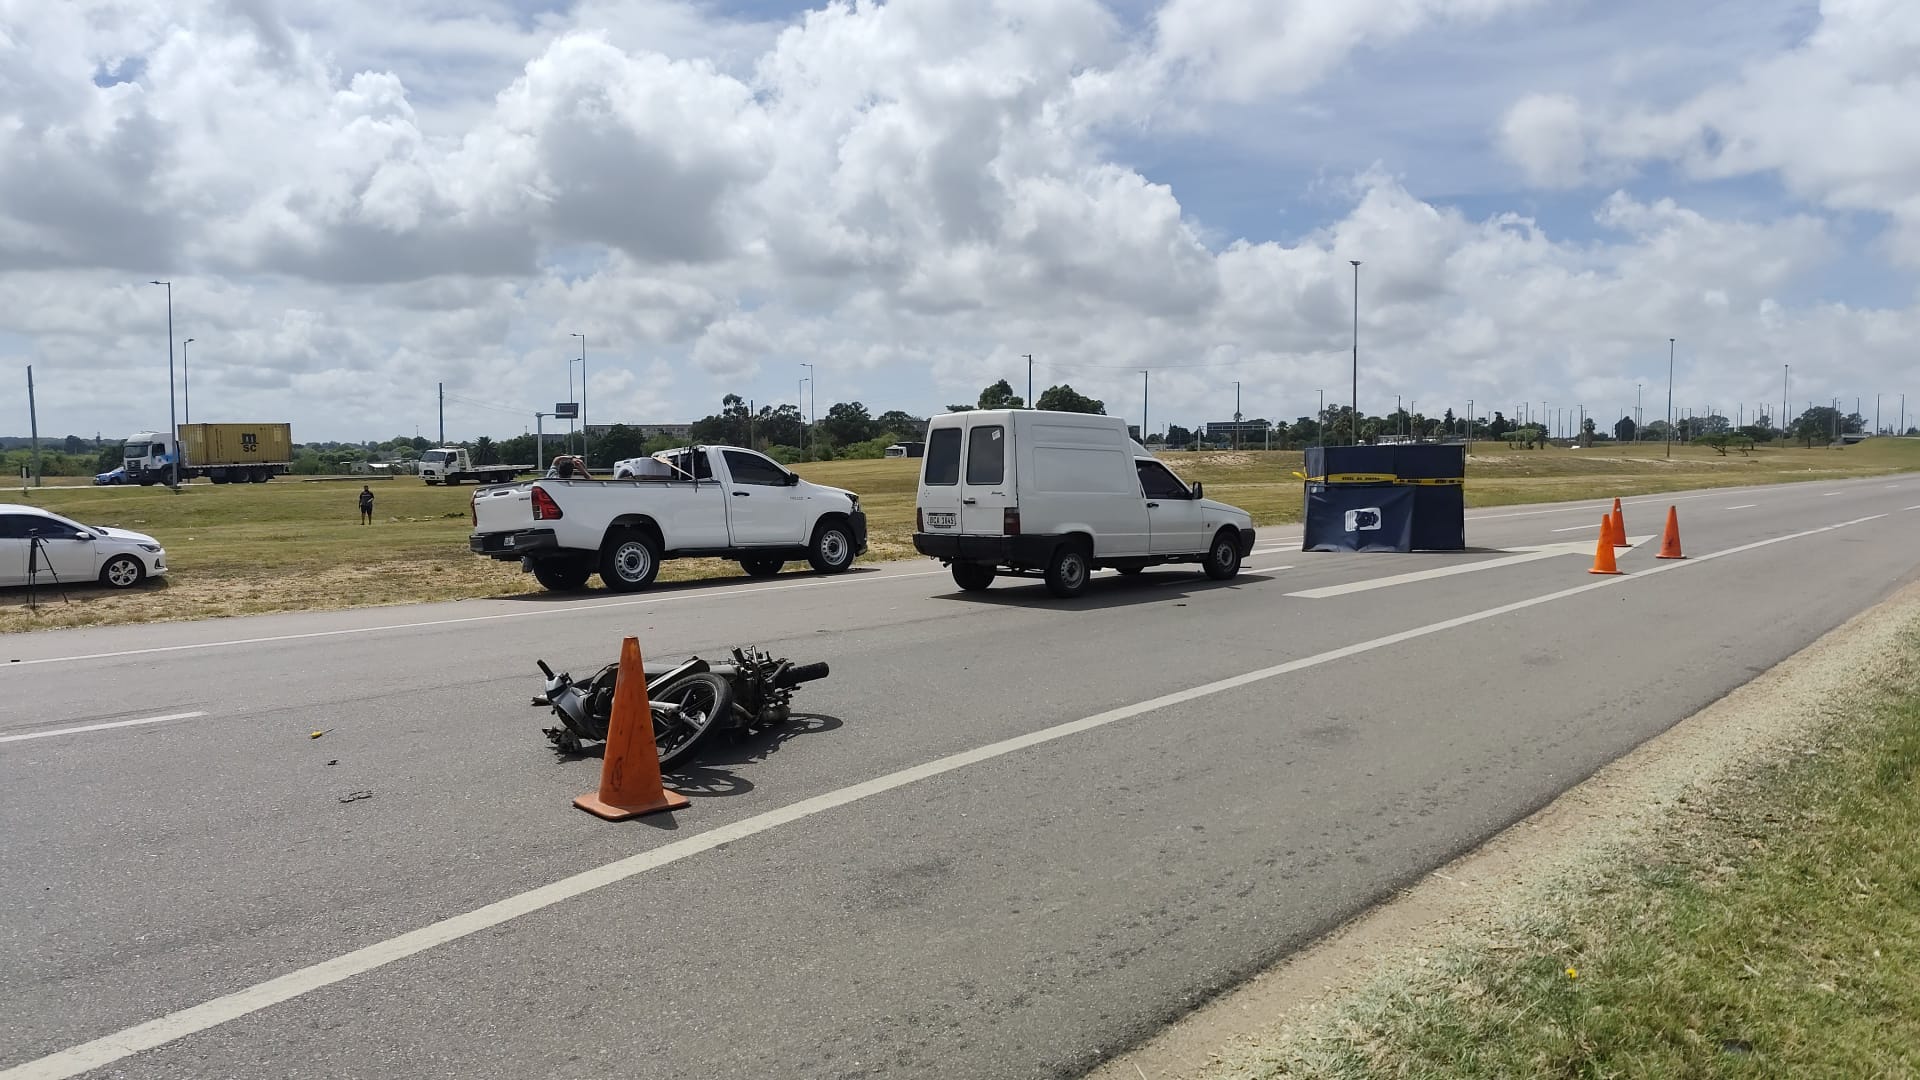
{"points": [[1577, 528], [1828, 494], [1266, 569], [1744, 506], [99, 727], [209, 1014]]}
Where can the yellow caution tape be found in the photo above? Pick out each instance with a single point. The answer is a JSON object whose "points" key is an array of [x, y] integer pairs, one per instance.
{"points": [[1384, 478]]}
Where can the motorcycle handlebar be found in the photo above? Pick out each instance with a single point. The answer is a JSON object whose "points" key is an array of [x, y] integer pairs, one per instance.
{"points": [[801, 673], [544, 669]]}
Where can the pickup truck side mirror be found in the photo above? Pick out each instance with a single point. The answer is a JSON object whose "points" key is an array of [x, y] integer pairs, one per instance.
{"points": [[1199, 491], [793, 479]]}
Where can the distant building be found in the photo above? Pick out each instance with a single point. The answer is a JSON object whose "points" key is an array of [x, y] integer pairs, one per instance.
{"points": [[650, 431]]}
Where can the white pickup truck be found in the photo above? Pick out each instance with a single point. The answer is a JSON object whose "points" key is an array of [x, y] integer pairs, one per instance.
{"points": [[453, 465], [700, 502]]}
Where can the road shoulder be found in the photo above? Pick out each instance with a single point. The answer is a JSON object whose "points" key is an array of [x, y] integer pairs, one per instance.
{"points": [[1571, 844]]}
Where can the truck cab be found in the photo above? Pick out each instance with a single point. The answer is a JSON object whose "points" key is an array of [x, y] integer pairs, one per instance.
{"points": [[149, 457], [437, 465]]}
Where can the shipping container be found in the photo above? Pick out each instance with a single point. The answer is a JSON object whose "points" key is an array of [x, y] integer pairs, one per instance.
{"points": [[214, 445]]}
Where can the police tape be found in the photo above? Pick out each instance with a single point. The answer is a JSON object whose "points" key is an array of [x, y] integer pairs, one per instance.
{"points": [[1383, 478]]}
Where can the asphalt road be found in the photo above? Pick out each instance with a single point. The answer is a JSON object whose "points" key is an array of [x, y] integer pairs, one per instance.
{"points": [[1011, 836]]}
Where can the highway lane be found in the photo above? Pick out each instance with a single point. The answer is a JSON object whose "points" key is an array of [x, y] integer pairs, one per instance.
{"points": [[213, 852]]}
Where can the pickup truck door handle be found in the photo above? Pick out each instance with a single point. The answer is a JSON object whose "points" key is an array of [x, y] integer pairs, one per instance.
{"points": [[743, 494], [1153, 506]]}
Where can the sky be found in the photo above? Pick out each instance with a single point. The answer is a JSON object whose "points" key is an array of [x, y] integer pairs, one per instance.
{"points": [[360, 202]]}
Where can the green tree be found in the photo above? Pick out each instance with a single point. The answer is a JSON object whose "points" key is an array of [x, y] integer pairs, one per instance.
{"points": [[1065, 398], [618, 443], [1498, 427], [847, 423], [900, 425], [1624, 429], [485, 452], [109, 458], [1178, 436], [1001, 396]]}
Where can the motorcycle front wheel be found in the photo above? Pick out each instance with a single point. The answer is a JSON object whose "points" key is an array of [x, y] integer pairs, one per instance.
{"points": [[693, 705]]}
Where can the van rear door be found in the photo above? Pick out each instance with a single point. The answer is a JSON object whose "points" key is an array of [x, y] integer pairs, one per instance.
{"points": [[986, 475], [939, 501]]}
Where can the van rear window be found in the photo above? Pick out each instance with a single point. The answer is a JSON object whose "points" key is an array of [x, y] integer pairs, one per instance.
{"points": [[943, 457], [986, 455]]}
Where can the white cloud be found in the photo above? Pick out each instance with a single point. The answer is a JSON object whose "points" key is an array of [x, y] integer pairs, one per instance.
{"points": [[909, 195]]}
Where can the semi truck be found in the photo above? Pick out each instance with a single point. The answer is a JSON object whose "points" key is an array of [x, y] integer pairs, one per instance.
{"points": [[223, 453], [454, 465]]}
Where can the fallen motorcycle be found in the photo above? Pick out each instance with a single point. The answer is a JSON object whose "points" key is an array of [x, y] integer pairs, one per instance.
{"points": [[751, 691]]}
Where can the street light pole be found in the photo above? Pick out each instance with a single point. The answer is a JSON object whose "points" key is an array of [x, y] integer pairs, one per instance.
{"points": [[1236, 414], [1669, 397], [586, 438], [1469, 425], [186, 381], [806, 436], [813, 399], [173, 419], [1786, 392], [1030, 404], [1143, 404], [1356, 350]]}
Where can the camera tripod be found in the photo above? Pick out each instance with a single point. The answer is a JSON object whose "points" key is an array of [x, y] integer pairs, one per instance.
{"points": [[36, 554]]}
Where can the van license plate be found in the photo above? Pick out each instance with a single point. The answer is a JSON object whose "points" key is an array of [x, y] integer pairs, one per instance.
{"points": [[508, 542], [942, 521]]}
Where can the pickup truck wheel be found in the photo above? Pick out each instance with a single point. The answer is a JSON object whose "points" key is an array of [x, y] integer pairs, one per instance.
{"points": [[1223, 558], [762, 568], [629, 560], [831, 551], [973, 577], [558, 576], [1067, 571]]}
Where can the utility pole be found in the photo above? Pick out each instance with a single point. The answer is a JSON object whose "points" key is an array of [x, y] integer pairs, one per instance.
{"points": [[33, 423], [1320, 422], [800, 395], [1669, 397], [813, 399], [1786, 382], [1469, 425], [1236, 415], [1029, 356], [1356, 350], [1876, 414], [443, 413], [186, 382]]}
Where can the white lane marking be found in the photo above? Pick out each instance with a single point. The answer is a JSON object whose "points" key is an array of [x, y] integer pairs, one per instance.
{"points": [[99, 727], [560, 609], [178, 1025], [1828, 494], [1577, 528], [1905, 508], [1367, 585], [1744, 506], [1266, 569]]}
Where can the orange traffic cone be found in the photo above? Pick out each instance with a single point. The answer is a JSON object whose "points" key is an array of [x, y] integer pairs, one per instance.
{"points": [[630, 771], [1619, 526], [1670, 543], [1603, 551], [1606, 529]]}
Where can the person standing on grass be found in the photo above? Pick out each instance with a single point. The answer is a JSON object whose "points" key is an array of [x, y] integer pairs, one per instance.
{"points": [[366, 505]]}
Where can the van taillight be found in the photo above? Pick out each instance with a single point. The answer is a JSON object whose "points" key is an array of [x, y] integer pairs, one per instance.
{"points": [[1010, 521], [544, 508], [473, 507], [919, 520]]}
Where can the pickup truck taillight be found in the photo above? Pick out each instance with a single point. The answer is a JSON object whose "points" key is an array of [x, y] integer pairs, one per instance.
{"points": [[473, 507], [544, 508]]}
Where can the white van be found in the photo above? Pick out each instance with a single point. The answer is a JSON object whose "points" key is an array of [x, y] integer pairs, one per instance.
{"points": [[1062, 494]]}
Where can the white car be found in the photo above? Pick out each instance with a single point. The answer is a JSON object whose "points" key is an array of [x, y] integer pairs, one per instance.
{"points": [[64, 550]]}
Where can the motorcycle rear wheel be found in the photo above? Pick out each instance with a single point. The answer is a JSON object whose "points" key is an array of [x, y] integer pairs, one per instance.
{"points": [[704, 700]]}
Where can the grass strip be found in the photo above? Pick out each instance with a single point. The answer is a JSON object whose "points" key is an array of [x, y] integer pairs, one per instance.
{"points": [[1771, 930]]}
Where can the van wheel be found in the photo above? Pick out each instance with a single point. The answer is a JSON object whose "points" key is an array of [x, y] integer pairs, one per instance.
{"points": [[1223, 559], [831, 551], [973, 577], [1067, 571], [629, 560], [762, 568]]}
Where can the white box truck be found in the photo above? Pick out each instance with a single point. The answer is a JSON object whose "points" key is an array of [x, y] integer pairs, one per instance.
{"points": [[1061, 494]]}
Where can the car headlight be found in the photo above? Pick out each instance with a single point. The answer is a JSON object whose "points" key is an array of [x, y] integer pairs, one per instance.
{"points": [[155, 548]]}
